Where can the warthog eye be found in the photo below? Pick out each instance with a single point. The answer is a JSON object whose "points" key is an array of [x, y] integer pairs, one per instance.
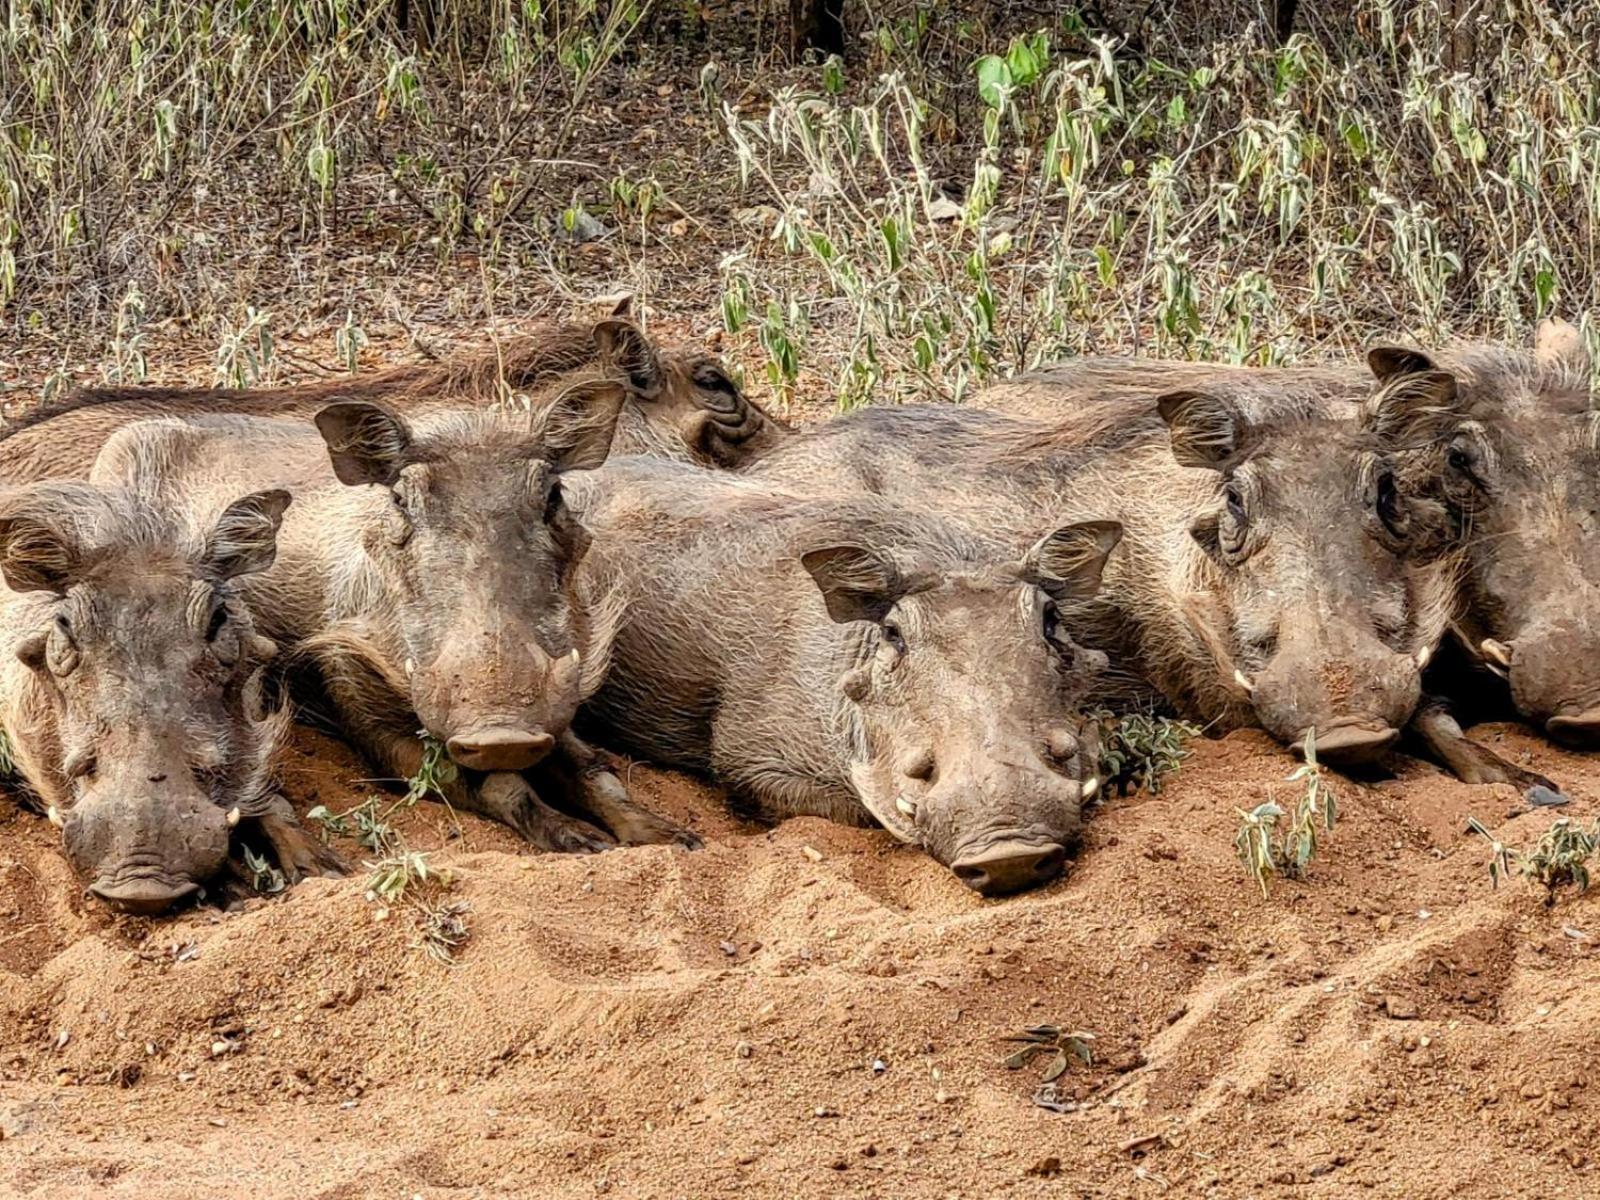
{"points": [[219, 618], [893, 638], [552, 503], [1390, 510], [713, 380]]}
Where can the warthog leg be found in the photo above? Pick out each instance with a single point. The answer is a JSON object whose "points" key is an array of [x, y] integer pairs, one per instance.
{"points": [[299, 854], [507, 797], [1469, 762], [577, 775]]}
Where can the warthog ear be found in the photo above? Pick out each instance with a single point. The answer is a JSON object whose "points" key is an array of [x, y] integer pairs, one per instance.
{"points": [[368, 443], [245, 538], [1413, 410], [1068, 562], [580, 424], [1206, 430], [856, 583], [624, 346], [40, 546], [1390, 362], [1557, 343]]}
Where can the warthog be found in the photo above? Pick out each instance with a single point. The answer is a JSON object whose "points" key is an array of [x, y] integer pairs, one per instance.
{"points": [[1268, 575], [424, 578], [1504, 439], [679, 404], [130, 687], [849, 659]]}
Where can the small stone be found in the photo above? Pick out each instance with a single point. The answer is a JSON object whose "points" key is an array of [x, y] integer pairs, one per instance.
{"points": [[812, 853], [1399, 1009], [879, 1066], [1531, 1091], [1386, 923], [744, 1049]]}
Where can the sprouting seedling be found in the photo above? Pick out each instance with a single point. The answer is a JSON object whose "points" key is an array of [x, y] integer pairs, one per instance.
{"points": [[1500, 855], [1139, 749], [264, 877], [1561, 857], [1254, 842], [442, 928], [1039, 1039], [1316, 806]]}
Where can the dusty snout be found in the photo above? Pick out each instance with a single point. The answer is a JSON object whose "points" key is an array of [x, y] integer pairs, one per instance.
{"points": [[1352, 692], [1002, 822], [144, 851], [1554, 672], [498, 710]]}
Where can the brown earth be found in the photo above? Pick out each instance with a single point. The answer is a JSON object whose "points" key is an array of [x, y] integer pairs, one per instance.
{"points": [[813, 1010]]}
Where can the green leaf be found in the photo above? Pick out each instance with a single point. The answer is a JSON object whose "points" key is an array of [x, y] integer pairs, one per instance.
{"points": [[994, 80]]}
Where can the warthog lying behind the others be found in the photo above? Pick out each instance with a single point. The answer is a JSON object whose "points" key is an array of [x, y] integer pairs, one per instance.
{"points": [[1267, 575], [425, 573], [1507, 440], [678, 404], [130, 687], [849, 659]]}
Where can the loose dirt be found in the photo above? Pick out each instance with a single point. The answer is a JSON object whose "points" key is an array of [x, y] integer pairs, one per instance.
{"points": [[813, 1010]]}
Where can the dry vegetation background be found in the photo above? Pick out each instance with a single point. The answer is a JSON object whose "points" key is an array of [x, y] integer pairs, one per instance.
{"points": [[272, 190]]}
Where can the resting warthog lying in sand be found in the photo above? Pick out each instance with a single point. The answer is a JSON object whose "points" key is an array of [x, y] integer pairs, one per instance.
{"points": [[679, 404], [849, 659], [426, 573], [130, 687], [1507, 440], [1268, 572]]}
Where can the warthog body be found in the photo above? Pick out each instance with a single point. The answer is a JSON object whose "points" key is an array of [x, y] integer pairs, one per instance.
{"points": [[130, 686], [1505, 439], [849, 659], [1267, 574], [679, 404], [424, 580]]}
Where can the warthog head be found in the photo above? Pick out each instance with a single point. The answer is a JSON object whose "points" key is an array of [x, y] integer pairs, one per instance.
{"points": [[149, 668], [471, 546], [1510, 441], [1312, 590], [960, 712], [683, 398]]}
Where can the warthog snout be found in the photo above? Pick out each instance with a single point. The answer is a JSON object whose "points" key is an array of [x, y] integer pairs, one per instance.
{"points": [[1576, 728], [1350, 743], [1012, 866], [498, 748], [143, 896]]}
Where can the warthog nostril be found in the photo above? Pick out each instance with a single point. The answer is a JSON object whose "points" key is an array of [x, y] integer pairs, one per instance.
{"points": [[1576, 728], [1350, 743], [143, 897], [499, 749], [1010, 867]]}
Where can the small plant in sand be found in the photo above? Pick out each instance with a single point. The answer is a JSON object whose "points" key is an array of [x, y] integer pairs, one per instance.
{"points": [[1041, 1039], [1560, 858], [401, 875], [1262, 851], [264, 877], [1138, 750]]}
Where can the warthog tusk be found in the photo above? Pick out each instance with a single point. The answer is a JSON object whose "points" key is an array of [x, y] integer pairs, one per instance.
{"points": [[411, 666], [54, 814], [1423, 656], [1497, 652], [576, 656], [233, 816], [905, 806], [1243, 681], [1091, 787]]}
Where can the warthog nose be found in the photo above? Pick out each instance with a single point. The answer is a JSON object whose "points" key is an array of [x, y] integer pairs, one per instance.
{"points": [[1350, 743], [499, 749], [1576, 728], [143, 897], [1010, 867]]}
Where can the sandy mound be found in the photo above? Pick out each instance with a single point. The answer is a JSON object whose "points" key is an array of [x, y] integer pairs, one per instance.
{"points": [[754, 1019]]}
